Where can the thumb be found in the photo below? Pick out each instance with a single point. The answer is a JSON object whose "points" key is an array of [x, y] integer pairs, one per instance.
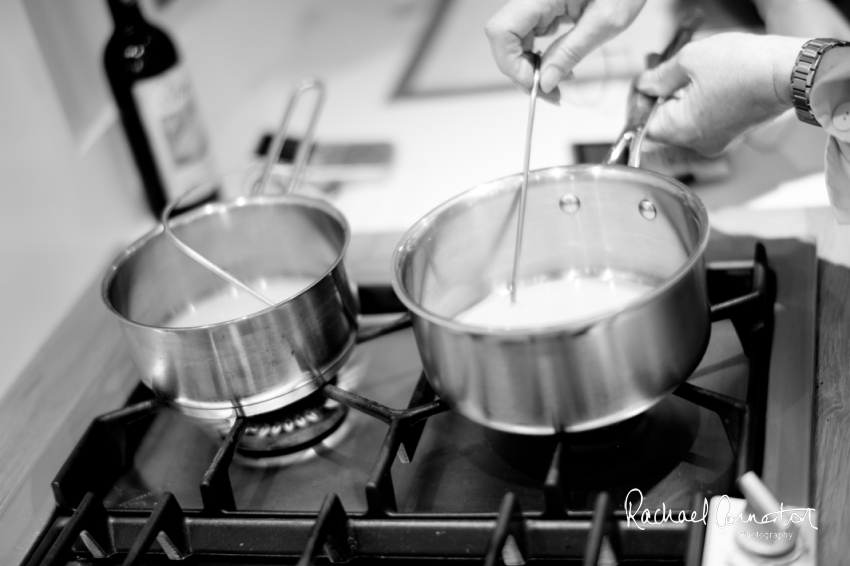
{"points": [[663, 80], [667, 123], [670, 124]]}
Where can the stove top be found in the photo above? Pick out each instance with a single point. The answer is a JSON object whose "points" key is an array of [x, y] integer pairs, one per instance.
{"points": [[375, 465]]}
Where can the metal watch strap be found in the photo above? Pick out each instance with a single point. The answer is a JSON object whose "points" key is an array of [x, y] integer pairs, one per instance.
{"points": [[803, 75]]}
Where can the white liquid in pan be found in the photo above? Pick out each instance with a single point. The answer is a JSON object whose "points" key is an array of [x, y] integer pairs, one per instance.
{"points": [[553, 302], [231, 303]]}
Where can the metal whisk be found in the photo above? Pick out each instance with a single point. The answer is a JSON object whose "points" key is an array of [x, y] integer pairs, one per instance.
{"points": [[298, 169]]}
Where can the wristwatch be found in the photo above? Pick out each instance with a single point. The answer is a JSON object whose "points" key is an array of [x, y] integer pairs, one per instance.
{"points": [[803, 75]]}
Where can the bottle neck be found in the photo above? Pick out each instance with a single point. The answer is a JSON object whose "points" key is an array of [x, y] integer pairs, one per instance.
{"points": [[126, 13]]}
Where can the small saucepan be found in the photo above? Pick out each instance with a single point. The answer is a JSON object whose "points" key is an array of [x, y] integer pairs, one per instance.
{"points": [[252, 364], [596, 221], [240, 363]]}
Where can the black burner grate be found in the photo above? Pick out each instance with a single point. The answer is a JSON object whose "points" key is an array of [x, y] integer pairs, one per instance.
{"points": [[83, 529]]}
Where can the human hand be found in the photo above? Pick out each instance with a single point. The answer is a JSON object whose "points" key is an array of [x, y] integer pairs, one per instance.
{"points": [[681, 162], [511, 32], [720, 87]]}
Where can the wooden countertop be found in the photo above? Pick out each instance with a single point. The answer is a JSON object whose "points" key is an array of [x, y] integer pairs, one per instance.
{"points": [[831, 490], [85, 370]]}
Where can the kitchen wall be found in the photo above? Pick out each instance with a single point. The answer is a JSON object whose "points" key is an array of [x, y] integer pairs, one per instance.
{"points": [[63, 210]]}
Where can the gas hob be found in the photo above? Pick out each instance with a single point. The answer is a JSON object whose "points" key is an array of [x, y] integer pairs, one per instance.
{"points": [[380, 468]]}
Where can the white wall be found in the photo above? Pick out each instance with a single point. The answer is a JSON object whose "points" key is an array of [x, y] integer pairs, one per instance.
{"points": [[63, 213]]}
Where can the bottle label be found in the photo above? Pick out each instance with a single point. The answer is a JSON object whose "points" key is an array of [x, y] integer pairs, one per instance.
{"points": [[177, 138]]}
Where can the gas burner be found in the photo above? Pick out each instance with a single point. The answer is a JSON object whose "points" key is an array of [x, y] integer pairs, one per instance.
{"points": [[289, 434], [292, 429]]}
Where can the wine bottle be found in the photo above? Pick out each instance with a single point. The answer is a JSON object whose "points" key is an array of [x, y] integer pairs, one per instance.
{"points": [[158, 111]]}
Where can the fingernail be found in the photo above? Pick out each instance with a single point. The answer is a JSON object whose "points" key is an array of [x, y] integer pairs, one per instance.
{"points": [[550, 78]]}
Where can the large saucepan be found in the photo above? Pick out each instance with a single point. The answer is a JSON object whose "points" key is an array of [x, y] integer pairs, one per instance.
{"points": [[582, 220]]}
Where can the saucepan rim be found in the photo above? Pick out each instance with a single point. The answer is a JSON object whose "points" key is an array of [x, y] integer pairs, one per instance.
{"points": [[512, 183], [209, 210]]}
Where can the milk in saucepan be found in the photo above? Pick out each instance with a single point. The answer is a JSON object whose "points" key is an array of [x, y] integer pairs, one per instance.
{"points": [[232, 303], [552, 302]]}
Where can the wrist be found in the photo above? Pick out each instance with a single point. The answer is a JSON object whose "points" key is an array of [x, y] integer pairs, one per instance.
{"points": [[784, 55], [805, 75]]}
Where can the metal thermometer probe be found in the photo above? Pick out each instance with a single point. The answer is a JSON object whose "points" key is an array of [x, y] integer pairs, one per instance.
{"points": [[524, 189]]}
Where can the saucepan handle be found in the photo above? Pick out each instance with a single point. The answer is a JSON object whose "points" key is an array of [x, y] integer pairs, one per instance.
{"points": [[641, 107], [366, 334], [381, 300], [302, 154]]}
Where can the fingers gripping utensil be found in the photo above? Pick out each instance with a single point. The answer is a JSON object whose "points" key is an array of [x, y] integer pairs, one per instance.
{"points": [[535, 88], [298, 169], [641, 107]]}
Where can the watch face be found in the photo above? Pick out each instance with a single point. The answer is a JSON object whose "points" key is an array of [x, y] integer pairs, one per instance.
{"points": [[841, 117]]}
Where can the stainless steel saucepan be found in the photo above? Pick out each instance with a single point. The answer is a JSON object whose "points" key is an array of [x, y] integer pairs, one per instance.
{"points": [[582, 220], [256, 363], [252, 364]]}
